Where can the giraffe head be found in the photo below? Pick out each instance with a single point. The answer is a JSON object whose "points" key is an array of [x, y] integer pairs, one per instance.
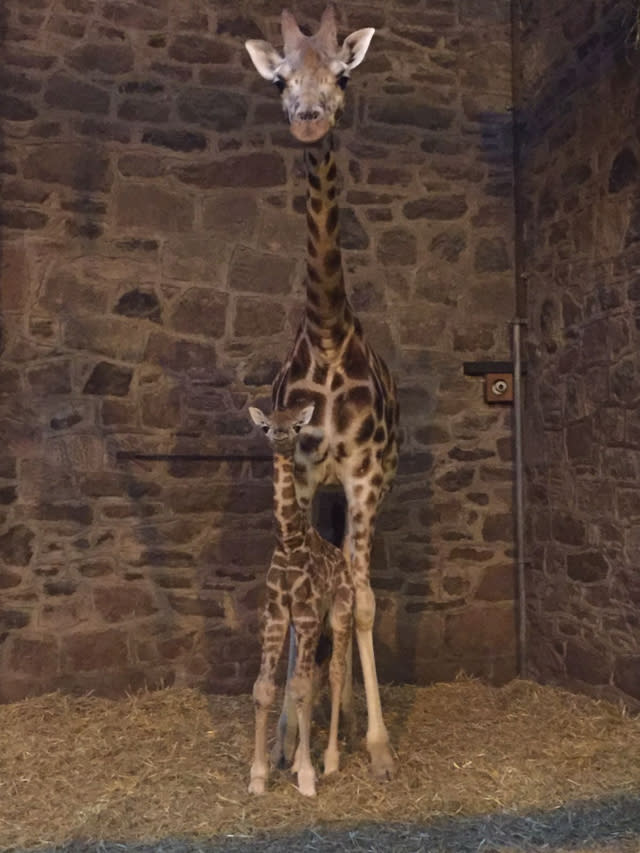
{"points": [[313, 73], [282, 426]]}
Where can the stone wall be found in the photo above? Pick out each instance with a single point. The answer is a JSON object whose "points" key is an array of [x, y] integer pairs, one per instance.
{"points": [[580, 187], [152, 259]]}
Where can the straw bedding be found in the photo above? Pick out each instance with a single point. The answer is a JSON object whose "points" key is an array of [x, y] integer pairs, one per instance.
{"points": [[523, 767]]}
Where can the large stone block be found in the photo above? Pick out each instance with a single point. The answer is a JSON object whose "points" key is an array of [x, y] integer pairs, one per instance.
{"points": [[16, 548], [121, 602], [94, 650], [78, 166], [215, 109], [153, 209], [110, 380], [249, 170], [200, 311], [67, 93], [260, 272], [480, 631], [33, 655], [107, 58]]}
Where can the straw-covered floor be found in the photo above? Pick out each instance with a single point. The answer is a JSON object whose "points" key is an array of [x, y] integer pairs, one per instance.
{"points": [[522, 767]]}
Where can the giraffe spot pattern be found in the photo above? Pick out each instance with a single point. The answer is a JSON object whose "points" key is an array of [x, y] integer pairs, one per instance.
{"points": [[312, 226], [332, 262], [332, 219]]}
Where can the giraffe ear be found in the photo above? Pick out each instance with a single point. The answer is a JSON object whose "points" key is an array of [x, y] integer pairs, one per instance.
{"points": [[306, 414], [259, 418], [355, 46], [265, 57]]}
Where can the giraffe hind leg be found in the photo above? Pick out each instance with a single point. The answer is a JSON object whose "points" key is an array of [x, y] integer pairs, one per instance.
{"points": [[282, 753]]}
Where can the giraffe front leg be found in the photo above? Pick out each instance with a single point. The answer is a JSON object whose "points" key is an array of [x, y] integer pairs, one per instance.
{"points": [[301, 690], [263, 695], [382, 763]]}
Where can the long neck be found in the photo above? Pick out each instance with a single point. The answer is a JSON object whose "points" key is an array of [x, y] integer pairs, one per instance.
{"points": [[291, 521], [328, 312]]}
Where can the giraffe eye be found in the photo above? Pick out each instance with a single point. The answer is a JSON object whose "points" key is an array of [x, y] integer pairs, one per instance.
{"points": [[342, 81], [265, 428], [280, 84]]}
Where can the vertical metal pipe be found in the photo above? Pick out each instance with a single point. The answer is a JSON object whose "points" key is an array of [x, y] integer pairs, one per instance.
{"points": [[519, 498], [518, 322]]}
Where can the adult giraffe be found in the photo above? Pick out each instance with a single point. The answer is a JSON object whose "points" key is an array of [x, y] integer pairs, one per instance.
{"points": [[352, 437]]}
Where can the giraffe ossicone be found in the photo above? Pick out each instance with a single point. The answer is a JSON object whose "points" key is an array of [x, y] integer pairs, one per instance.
{"points": [[351, 439]]}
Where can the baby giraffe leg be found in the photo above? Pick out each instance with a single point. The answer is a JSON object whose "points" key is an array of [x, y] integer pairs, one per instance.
{"points": [[287, 729], [301, 691], [263, 695]]}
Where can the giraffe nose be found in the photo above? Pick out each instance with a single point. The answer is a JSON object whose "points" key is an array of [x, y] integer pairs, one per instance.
{"points": [[308, 115]]}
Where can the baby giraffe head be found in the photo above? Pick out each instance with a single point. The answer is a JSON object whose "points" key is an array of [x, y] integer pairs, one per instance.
{"points": [[282, 427], [313, 73]]}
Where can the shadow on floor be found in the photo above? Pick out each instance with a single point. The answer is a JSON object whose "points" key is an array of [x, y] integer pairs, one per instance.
{"points": [[611, 824]]}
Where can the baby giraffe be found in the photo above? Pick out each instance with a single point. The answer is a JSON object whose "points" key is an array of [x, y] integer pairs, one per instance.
{"points": [[308, 578]]}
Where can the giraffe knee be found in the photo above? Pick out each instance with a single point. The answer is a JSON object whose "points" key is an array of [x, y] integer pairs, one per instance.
{"points": [[301, 687], [264, 692], [365, 609]]}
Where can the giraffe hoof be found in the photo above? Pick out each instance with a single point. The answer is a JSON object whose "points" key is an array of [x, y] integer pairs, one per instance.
{"points": [[382, 763], [307, 783], [331, 763]]}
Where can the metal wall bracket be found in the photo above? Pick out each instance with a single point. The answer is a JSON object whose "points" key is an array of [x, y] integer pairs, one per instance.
{"points": [[498, 378]]}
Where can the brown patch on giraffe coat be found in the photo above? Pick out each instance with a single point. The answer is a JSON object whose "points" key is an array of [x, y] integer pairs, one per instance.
{"points": [[297, 398], [355, 360], [337, 381], [314, 317], [316, 204], [332, 219], [320, 373], [313, 179], [313, 253], [288, 493], [332, 261], [340, 452], [379, 435], [332, 171], [312, 226], [360, 396], [364, 466], [309, 443], [366, 429]]}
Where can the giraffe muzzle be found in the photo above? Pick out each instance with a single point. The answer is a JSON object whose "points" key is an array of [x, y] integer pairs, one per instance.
{"points": [[310, 126]]}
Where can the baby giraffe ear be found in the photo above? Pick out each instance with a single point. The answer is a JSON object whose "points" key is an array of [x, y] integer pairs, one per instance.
{"points": [[265, 57], [355, 46], [305, 415], [259, 418]]}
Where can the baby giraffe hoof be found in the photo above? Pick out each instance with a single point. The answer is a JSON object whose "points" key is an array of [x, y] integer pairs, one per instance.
{"points": [[257, 786], [307, 783]]}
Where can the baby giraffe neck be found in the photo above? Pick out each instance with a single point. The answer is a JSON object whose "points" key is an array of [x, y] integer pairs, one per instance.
{"points": [[291, 520]]}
